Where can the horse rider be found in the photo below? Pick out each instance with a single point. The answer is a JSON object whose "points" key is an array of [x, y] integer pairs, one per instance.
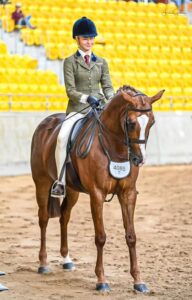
{"points": [[84, 73]]}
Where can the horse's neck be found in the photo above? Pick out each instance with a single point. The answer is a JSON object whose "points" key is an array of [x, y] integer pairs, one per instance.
{"points": [[112, 118], [112, 115]]}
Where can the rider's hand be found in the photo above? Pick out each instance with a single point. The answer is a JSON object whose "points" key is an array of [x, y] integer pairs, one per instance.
{"points": [[93, 102]]}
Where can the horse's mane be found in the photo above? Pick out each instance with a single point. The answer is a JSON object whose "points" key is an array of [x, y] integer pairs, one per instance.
{"points": [[129, 90]]}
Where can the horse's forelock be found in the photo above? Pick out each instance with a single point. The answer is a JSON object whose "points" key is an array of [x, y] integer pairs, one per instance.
{"points": [[128, 89], [131, 91]]}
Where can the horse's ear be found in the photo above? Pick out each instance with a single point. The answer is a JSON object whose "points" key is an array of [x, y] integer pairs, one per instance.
{"points": [[127, 98], [156, 97]]}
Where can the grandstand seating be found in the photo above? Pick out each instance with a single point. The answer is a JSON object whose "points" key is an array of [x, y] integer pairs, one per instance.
{"points": [[148, 46], [23, 88]]}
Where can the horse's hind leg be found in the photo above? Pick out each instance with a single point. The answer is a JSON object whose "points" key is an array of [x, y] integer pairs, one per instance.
{"points": [[66, 207], [42, 195], [128, 201]]}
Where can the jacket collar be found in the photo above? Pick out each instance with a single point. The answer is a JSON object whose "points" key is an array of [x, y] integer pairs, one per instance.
{"points": [[80, 59]]}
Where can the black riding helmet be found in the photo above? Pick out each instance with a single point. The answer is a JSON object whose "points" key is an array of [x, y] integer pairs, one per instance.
{"points": [[84, 27]]}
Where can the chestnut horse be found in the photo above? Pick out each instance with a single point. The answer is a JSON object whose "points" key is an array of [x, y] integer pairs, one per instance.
{"points": [[121, 134]]}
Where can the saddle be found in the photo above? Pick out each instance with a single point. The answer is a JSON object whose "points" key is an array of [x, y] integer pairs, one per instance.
{"points": [[76, 129]]}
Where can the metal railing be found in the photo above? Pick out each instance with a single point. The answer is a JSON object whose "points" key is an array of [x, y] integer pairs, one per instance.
{"points": [[40, 102], [36, 102], [174, 103]]}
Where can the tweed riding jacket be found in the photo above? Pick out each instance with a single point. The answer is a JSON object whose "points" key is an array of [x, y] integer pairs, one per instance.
{"points": [[82, 79]]}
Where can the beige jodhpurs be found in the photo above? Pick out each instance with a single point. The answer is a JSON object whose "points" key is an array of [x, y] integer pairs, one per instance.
{"points": [[62, 139]]}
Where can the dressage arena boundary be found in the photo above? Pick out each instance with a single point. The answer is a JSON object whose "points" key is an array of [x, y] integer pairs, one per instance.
{"points": [[170, 140]]}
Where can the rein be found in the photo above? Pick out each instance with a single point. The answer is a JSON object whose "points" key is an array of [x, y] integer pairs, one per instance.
{"points": [[97, 123], [67, 118]]}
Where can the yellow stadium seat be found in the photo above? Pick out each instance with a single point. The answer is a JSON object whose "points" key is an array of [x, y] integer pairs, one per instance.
{"points": [[176, 91], [188, 105], [58, 106], [188, 91], [38, 37], [52, 51], [3, 48], [7, 23], [146, 45], [4, 104]]}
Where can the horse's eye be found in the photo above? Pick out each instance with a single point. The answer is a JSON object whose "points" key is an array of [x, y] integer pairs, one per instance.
{"points": [[131, 125]]}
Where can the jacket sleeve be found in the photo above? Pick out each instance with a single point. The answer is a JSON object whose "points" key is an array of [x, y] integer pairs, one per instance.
{"points": [[69, 80], [106, 81]]}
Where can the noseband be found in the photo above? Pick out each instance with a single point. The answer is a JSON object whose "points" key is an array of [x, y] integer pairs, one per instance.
{"points": [[127, 123]]}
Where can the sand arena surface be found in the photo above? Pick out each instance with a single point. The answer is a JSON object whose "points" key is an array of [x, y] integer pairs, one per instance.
{"points": [[163, 222]]}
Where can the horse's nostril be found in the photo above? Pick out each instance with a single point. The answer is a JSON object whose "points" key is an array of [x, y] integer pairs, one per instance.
{"points": [[137, 160]]}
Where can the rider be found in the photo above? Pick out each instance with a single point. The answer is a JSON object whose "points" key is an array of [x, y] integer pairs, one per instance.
{"points": [[84, 72]]}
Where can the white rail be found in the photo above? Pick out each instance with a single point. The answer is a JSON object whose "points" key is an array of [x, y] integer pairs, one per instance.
{"points": [[168, 103], [46, 100]]}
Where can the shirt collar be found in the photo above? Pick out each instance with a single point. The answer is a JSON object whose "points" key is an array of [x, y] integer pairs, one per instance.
{"points": [[83, 53], [93, 56]]}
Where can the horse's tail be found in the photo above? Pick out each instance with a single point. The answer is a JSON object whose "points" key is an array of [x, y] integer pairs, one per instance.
{"points": [[54, 207]]}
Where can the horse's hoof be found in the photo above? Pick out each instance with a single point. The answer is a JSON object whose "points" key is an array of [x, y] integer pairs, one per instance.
{"points": [[141, 287], [43, 270], [2, 273], [102, 287], [69, 266], [3, 288]]}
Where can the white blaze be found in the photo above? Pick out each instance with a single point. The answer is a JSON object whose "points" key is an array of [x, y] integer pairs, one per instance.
{"points": [[143, 121]]}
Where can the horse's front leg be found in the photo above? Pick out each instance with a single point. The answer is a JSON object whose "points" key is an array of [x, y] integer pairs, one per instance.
{"points": [[66, 207], [100, 238], [128, 201]]}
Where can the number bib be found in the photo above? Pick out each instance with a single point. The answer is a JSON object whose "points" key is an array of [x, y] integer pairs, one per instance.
{"points": [[119, 170]]}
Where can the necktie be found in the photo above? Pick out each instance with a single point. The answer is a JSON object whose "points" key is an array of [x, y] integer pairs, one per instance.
{"points": [[86, 59]]}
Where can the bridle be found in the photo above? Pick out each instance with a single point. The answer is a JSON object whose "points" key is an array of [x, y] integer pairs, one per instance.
{"points": [[127, 123], [97, 123], [102, 128]]}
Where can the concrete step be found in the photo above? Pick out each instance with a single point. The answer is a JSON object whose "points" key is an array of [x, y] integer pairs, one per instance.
{"points": [[16, 46]]}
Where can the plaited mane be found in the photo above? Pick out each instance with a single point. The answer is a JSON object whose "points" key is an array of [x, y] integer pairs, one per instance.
{"points": [[132, 92], [129, 90]]}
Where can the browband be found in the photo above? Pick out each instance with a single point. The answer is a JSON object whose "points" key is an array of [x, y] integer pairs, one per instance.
{"points": [[140, 110], [139, 94]]}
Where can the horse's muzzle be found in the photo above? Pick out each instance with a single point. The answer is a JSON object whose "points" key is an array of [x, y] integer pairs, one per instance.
{"points": [[137, 160]]}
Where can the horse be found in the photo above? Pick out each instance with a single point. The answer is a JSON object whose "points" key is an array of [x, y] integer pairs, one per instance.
{"points": [[120, 136]]}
